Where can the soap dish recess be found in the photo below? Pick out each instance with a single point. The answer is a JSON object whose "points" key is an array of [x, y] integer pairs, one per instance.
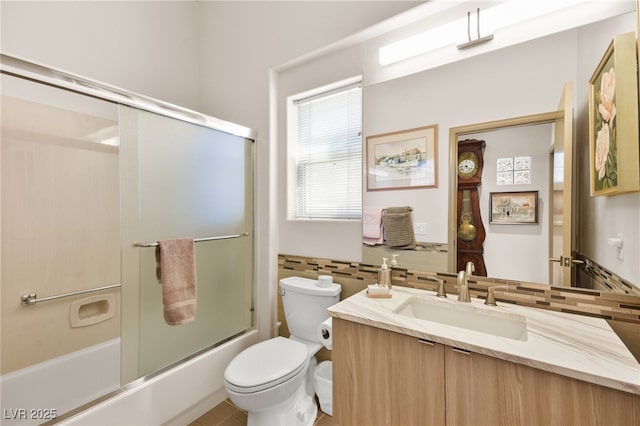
{"points": [[92, 310]]}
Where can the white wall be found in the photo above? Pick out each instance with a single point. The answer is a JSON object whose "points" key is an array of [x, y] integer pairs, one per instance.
{"points": [[517, 252], [214, 57], [604, 217], [477, 89], [497, 85], [338, 239], [242, 40], [238, 84], [145, 47]]}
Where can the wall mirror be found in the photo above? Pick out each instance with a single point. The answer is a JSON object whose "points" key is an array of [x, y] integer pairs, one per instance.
{"points": [[524, 199], [508, 103]]}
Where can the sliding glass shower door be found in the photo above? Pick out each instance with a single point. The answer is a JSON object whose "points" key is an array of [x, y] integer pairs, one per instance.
{"points": [[181, 180]]}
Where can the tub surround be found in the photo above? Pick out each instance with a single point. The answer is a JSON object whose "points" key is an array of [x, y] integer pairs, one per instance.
{"points": [[65, 187], [576, 346]]}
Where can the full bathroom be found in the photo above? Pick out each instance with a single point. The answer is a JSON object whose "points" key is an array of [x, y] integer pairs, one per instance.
{"points": [[129, 124]]}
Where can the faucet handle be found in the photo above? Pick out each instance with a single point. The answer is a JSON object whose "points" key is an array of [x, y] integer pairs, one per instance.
{"points": [[491, 298], [441, 291]]}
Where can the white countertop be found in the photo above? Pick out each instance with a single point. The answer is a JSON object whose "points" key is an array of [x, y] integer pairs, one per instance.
{"points": [[572, 345]]}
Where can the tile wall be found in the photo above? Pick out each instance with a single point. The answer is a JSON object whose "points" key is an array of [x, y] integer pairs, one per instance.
{"points": [[355, 276]]}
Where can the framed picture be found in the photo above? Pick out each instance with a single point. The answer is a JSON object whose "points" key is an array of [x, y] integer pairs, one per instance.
{"points": [[403, 160], [513, 207], [614, 149], [522, 163], [505, 164], [505, 178]]}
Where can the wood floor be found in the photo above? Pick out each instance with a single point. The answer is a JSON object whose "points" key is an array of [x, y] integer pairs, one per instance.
{"points": [[227, 414]]}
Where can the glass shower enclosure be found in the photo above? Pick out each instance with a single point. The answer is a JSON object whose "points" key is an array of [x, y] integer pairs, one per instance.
{"points": [[179, 180], [92, 178]]}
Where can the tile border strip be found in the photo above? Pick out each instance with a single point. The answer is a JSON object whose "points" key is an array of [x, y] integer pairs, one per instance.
{"points": [[605, 305]]}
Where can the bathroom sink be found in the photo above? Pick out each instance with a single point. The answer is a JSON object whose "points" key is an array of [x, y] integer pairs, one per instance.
{"points": [[467, 316]]}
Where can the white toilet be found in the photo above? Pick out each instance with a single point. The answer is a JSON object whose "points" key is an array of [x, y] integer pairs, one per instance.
{"points": [[273, 380]]}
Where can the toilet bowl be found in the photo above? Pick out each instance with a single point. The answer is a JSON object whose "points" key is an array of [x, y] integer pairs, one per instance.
{"points": [[272, 380], [268, 380]]}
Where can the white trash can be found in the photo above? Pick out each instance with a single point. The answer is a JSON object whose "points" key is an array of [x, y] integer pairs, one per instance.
{"points": [[322, 384]]}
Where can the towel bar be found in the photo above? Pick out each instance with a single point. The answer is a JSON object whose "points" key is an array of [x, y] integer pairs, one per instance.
{"points": [[198, 240], [32, 298]]}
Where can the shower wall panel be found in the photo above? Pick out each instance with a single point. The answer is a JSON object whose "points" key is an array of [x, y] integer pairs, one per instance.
{"points": [[60, 218]]}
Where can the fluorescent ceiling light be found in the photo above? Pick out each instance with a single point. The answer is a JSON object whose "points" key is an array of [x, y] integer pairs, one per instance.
{"points": [[501, 15]]}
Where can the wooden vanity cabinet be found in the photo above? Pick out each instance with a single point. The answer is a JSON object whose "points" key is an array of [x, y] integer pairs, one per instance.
{"points": [[386, 378], [482, 390]]}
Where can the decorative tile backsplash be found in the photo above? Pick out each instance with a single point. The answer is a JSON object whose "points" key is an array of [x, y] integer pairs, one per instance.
{"points": [[597, 276], [355, 276]]}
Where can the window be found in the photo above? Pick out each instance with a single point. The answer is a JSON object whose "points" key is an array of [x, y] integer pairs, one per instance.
{"points": [[328, 154]]}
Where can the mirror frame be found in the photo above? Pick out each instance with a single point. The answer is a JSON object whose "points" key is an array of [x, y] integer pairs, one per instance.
{"points": [[454, 134]]}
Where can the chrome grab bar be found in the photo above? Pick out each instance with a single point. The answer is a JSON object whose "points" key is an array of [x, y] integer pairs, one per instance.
{"points": [[198, 240], [32, 298]]}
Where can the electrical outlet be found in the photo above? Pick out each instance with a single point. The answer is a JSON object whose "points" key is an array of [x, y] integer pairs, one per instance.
{"points": [[420, 228]]}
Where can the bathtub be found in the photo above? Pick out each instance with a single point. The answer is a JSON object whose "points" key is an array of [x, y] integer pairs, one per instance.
{"points": [[38, 393]]}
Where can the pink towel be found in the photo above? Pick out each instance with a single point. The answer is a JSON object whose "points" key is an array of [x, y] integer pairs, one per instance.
{"points": [[372, 227], [177, 267]]}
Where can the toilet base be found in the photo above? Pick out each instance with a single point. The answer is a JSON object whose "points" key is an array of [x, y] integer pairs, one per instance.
{"points": [[298, 410]]}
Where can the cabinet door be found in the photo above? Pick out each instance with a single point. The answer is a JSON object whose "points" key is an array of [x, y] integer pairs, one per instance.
{"points": [[385, 378], [481, 390]]}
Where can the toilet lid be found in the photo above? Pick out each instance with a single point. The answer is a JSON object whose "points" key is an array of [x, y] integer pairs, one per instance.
{"points": [[266, 364]]}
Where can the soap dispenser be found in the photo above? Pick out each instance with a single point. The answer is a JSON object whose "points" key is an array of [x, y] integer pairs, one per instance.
{"points": [[384, 274]]}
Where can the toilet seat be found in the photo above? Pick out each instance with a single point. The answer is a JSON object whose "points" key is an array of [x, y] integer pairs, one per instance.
{"points": [[266, 364]]}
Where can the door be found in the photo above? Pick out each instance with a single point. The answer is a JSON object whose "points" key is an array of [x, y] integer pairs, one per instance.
{"points": [[561, 239]]}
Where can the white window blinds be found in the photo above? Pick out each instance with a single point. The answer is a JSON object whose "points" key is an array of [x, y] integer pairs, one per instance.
{"points": [[329, 155]]}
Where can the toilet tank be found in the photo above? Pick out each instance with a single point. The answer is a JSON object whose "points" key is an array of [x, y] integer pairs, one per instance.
{"points": [[305, 305]]}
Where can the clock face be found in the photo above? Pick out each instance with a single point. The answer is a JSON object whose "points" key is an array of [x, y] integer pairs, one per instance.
{"points": [[467, 164]]}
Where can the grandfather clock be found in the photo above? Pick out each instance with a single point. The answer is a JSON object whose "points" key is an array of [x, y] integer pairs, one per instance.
{"points": [[471, 232]]}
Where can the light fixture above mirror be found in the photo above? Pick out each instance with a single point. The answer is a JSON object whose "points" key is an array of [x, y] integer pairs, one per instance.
{"points": [[512, 21]]}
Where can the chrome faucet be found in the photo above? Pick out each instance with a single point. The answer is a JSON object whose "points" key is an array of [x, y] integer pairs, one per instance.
{"points": [[463, 282], [440, 291]]}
